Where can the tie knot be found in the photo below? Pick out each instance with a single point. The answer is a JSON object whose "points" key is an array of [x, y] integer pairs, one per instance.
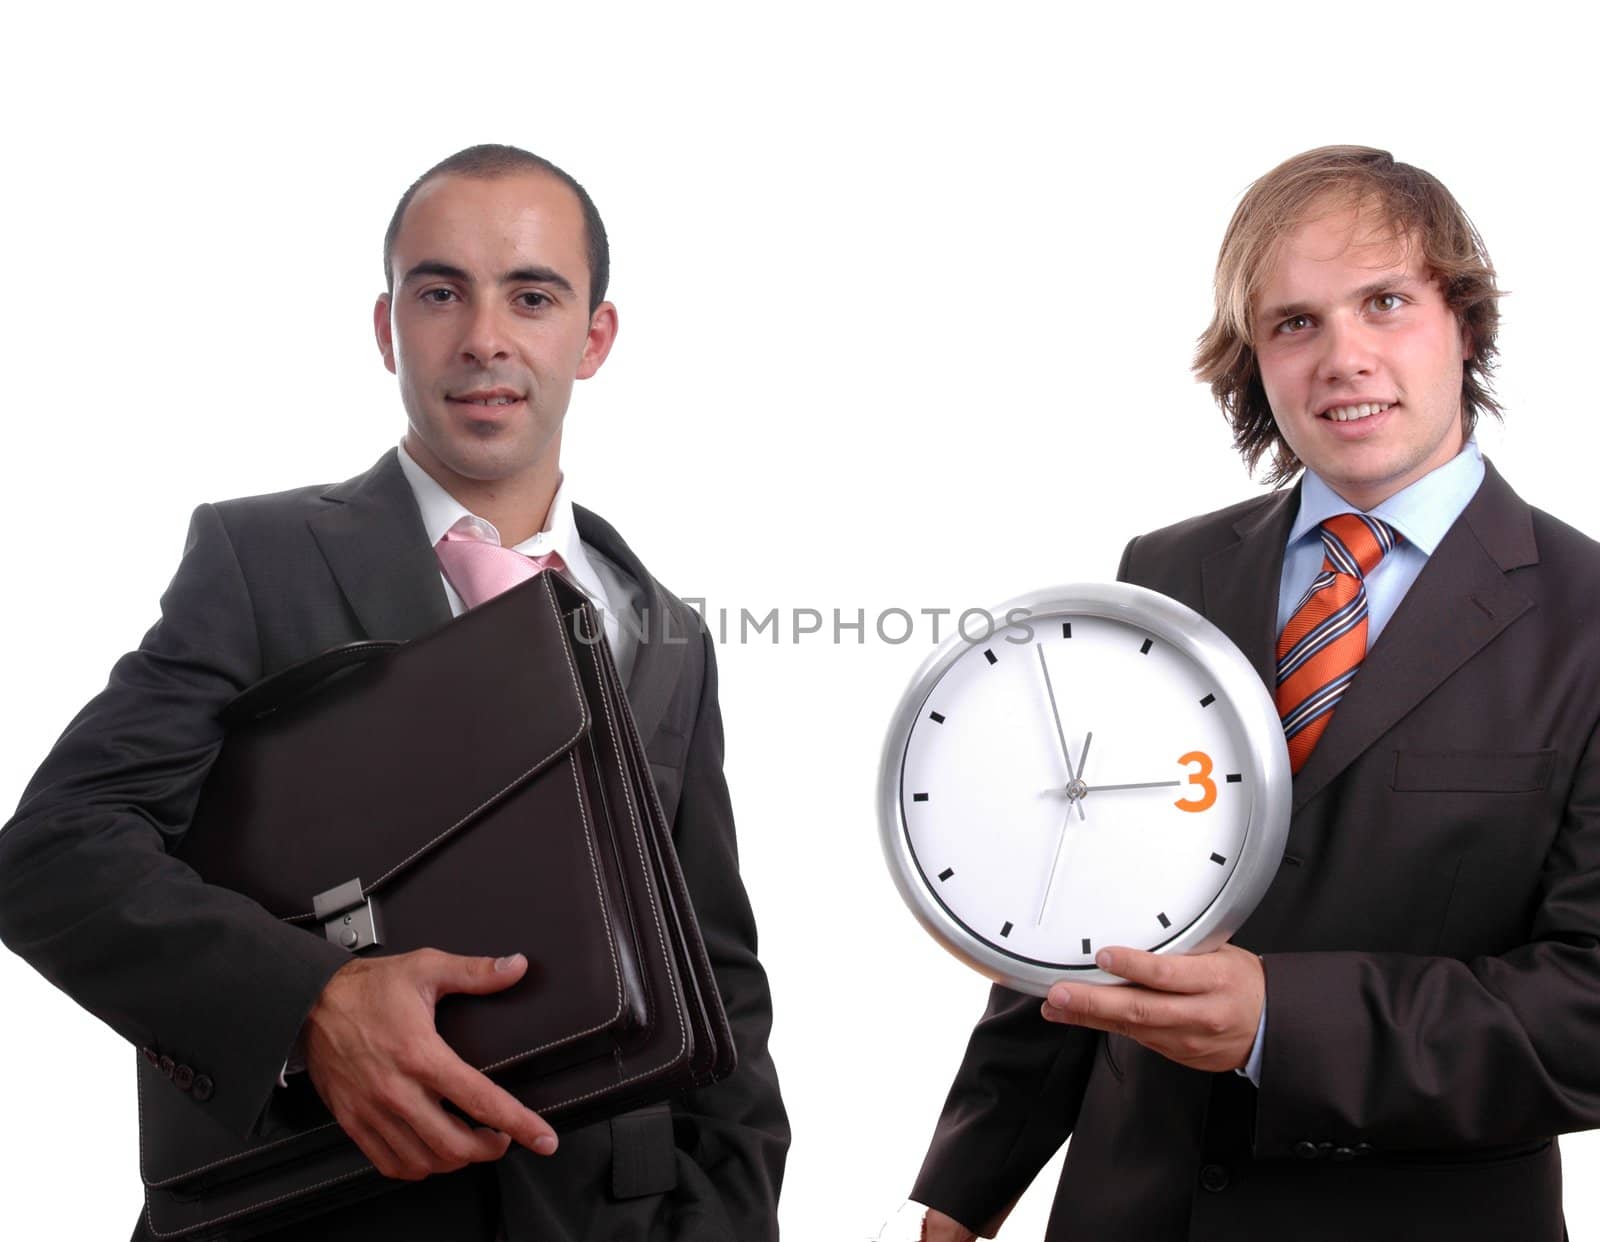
{"points": [[479, 568], [1355, 543]]}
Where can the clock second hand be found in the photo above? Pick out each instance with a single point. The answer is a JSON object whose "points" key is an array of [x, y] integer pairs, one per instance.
{"points": [[1061, 839]]}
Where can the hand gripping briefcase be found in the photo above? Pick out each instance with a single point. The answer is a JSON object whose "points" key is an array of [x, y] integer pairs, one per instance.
{"points": [[480, 790]]}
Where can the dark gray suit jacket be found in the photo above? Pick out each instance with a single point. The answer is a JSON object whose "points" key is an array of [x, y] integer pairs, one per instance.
{"points": [[1431, 940], [91, 897]]}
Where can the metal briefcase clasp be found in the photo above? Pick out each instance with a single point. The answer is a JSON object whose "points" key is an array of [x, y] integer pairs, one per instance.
{"points": [[348, 919]]}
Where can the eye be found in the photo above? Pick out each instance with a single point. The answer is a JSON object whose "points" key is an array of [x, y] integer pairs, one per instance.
{"points": [[1295, 323], [534, 299], [437, 296], [1387, 302]]}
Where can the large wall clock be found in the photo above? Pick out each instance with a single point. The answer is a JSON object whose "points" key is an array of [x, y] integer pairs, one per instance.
{"points": [[1109, 770]]}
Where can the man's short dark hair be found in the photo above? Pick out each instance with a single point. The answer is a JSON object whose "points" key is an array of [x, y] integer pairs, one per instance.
{"points": [[489, 160]]}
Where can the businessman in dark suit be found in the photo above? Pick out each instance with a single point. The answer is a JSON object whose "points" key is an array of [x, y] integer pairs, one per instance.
{"points": [[497, 264], [1392, 1041]]}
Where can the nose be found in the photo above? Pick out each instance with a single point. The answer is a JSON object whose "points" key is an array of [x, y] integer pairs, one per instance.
{"points": [[485, 338], [1348, 349]]}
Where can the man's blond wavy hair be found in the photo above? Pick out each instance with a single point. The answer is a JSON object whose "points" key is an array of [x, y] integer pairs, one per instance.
{"points": [[1411, 205]]}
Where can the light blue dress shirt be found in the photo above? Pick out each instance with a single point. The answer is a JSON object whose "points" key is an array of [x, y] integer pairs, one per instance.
{"points": [[1420, 514]]}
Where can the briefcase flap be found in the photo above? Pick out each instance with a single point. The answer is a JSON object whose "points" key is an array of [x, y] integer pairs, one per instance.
{"points": [[370, 775]]}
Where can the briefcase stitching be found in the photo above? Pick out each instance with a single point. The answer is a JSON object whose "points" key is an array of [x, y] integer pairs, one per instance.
{"points": [[583, 724], [255, 1207], [699, 944], [655, 912], [616, 969], [572, 766]]}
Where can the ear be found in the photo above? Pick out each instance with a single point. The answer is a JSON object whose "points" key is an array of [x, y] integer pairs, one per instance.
{"points": [[383, 328], [602, 333]]}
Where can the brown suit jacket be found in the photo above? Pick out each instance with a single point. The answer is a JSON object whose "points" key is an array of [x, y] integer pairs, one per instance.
{"points": [[1431, 940], [90, 895]]}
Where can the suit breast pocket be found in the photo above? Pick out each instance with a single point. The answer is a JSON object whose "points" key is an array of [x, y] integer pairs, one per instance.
{"points": [[1488, 817], [1473, 771]]}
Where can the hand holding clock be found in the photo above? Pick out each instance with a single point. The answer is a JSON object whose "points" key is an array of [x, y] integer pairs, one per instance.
{"points": [[1201, 1010]]}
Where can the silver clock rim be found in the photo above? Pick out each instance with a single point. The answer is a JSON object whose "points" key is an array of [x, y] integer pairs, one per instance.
{"points": [[1266, 759]]}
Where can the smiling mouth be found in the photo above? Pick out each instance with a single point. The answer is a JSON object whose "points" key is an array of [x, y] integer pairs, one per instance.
{"points": [[487, 402], [1354, 413]]}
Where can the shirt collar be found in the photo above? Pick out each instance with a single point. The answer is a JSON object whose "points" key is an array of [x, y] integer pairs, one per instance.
{"points": [[1422, 513], [440, 511]]}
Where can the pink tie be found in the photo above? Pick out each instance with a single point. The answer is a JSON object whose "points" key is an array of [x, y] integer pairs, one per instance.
{"points": [[480, 570]]}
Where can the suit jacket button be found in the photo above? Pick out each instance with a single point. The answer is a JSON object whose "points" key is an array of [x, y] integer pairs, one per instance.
{"points": [[203, 1088], [166, 1065], [150, 1055], [1306, 1149], [183, 1078], [1214, 1177], [1363, 1149], [1342, 1153]]}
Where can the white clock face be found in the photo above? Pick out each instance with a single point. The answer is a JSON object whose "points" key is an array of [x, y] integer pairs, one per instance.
{"points": [[1113, 815]]}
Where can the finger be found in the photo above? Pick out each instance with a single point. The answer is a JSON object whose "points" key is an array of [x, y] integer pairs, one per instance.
{"points": [[478, 976], [1161, 972], [374, 1148], [493, 1106], [417, 1159], [1131, 1011], [451, 1139]]}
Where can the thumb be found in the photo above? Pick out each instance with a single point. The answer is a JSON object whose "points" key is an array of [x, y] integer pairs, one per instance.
{"points": [[478, 976]]}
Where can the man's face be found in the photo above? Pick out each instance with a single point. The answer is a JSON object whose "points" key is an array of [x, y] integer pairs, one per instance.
{"points": [[1360, 357], [489, 325]]}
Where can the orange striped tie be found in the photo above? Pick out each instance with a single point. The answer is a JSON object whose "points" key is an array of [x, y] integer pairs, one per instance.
{"points": [[1325, 640]]}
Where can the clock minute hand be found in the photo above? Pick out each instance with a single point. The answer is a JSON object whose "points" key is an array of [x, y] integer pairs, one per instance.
{"points": [[1133, 785], [1061, 735]]}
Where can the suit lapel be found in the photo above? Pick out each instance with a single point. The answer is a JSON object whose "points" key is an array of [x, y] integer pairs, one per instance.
{"points": [[1457, 605], [372, 537], [661, 652], [1240, 582]]}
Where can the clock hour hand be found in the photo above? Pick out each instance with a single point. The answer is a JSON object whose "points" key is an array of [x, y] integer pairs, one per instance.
{"points": [[1061, 735], [1134, 785]]}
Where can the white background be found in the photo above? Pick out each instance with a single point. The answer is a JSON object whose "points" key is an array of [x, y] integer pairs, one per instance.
{"points": [[907, 298]]}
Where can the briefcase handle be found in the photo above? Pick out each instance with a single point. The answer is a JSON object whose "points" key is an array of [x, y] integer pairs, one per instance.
{"points": [[294, 683]]}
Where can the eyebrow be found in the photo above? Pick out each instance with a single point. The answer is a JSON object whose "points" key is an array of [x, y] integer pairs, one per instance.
{"points": [[1288, 310], [535, 275]]}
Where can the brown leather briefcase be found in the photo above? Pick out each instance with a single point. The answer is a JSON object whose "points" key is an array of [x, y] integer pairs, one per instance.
{"points": [[480, 790]]}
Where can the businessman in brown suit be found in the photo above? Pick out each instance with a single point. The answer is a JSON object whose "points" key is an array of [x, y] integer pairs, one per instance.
{"points": [[497, 263], [1390, 1044]]}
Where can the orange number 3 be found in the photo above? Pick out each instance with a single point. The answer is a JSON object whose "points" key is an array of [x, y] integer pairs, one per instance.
{"points": [[1201, 778]]}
